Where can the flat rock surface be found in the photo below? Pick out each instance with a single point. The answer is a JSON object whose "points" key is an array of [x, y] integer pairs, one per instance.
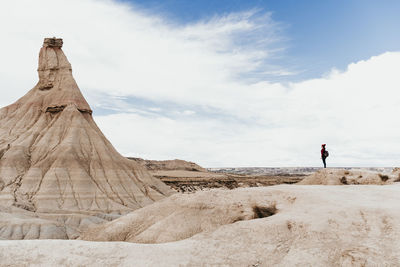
{"points": [[313, 225]]}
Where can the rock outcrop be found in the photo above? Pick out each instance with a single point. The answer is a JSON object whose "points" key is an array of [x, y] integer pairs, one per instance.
{"points": [[169, 165], [349, 177], [194, 213], [54, 158]]}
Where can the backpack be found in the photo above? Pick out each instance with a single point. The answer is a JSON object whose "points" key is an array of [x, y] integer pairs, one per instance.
{"points": [[326, 153]]}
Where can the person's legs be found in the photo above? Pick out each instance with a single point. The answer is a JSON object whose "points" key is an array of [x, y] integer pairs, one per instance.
{"points": [[324, 161]]}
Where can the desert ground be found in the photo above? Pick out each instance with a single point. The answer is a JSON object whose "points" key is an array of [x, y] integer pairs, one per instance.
{"points": [[283, 225], [323, 220], [68, 198]]}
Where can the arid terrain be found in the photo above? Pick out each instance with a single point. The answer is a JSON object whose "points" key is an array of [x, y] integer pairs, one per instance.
{"points": [[185, 180], [284, 225]]}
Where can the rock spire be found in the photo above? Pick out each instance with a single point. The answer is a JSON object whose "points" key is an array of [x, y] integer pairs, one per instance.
{"points": [[54, 158]]}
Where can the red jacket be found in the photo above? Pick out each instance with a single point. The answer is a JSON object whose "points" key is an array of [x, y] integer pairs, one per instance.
{"points": [[322, 152]]}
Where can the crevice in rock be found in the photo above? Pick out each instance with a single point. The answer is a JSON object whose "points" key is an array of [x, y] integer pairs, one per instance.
{"points": [[263, 212], [383, 177], [45, 86], [4, 150], [85, 111], [156, 189], [55, 109]]}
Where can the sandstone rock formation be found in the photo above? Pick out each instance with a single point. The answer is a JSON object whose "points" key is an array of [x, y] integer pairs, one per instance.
{"points": [[194, 213], [349, 177], [54, 158], [312, 226], [169, 165]]}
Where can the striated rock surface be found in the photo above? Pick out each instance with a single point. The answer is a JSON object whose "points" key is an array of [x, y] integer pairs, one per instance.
{"points": [[54, 158], [17, 223], [20, 224]]}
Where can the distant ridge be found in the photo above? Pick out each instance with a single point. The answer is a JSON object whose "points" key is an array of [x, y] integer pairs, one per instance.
{"points": [[289, 170], [166, 165]]}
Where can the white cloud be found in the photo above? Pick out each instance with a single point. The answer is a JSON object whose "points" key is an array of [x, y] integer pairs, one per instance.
{"points": [[118, 50], [354, 111], [193, 98]]}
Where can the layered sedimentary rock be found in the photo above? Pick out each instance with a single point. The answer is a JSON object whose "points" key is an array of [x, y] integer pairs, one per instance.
{"points": [[169, 165], [54, 158]]}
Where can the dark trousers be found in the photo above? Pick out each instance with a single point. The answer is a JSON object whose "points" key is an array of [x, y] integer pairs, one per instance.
{"points": [[324, 161]]}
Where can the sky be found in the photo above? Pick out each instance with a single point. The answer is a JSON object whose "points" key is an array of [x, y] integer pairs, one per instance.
{"points": [[317, 35], [223, 83]]}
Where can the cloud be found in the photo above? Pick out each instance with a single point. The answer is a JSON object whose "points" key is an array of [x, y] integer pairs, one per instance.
{"points": [[353, 111], [201, 91], [116, 49]]}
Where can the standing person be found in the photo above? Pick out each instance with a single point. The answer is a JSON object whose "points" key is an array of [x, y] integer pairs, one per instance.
{"points": [[324, 154]]}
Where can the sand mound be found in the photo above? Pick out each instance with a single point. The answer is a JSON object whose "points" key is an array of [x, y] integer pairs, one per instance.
{"points": [[313, 226], [169, 165], [204, 211], [348, 177]]}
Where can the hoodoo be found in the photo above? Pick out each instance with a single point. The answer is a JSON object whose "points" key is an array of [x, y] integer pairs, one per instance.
{"points": [[54, 158]]}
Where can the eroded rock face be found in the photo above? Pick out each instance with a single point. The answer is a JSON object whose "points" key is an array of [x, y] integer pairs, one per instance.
{"points": [[194, 213], [17, 223], [349, 177], [54, 158], [169, 165]]}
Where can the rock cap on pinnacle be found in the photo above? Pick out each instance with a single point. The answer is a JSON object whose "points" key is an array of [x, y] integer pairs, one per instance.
{"points": [[53, 42], [55, 78], [56, 88]]}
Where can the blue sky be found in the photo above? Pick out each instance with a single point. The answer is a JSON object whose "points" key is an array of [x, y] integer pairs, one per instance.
{"points": [[319, 35], [224, 83]]}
